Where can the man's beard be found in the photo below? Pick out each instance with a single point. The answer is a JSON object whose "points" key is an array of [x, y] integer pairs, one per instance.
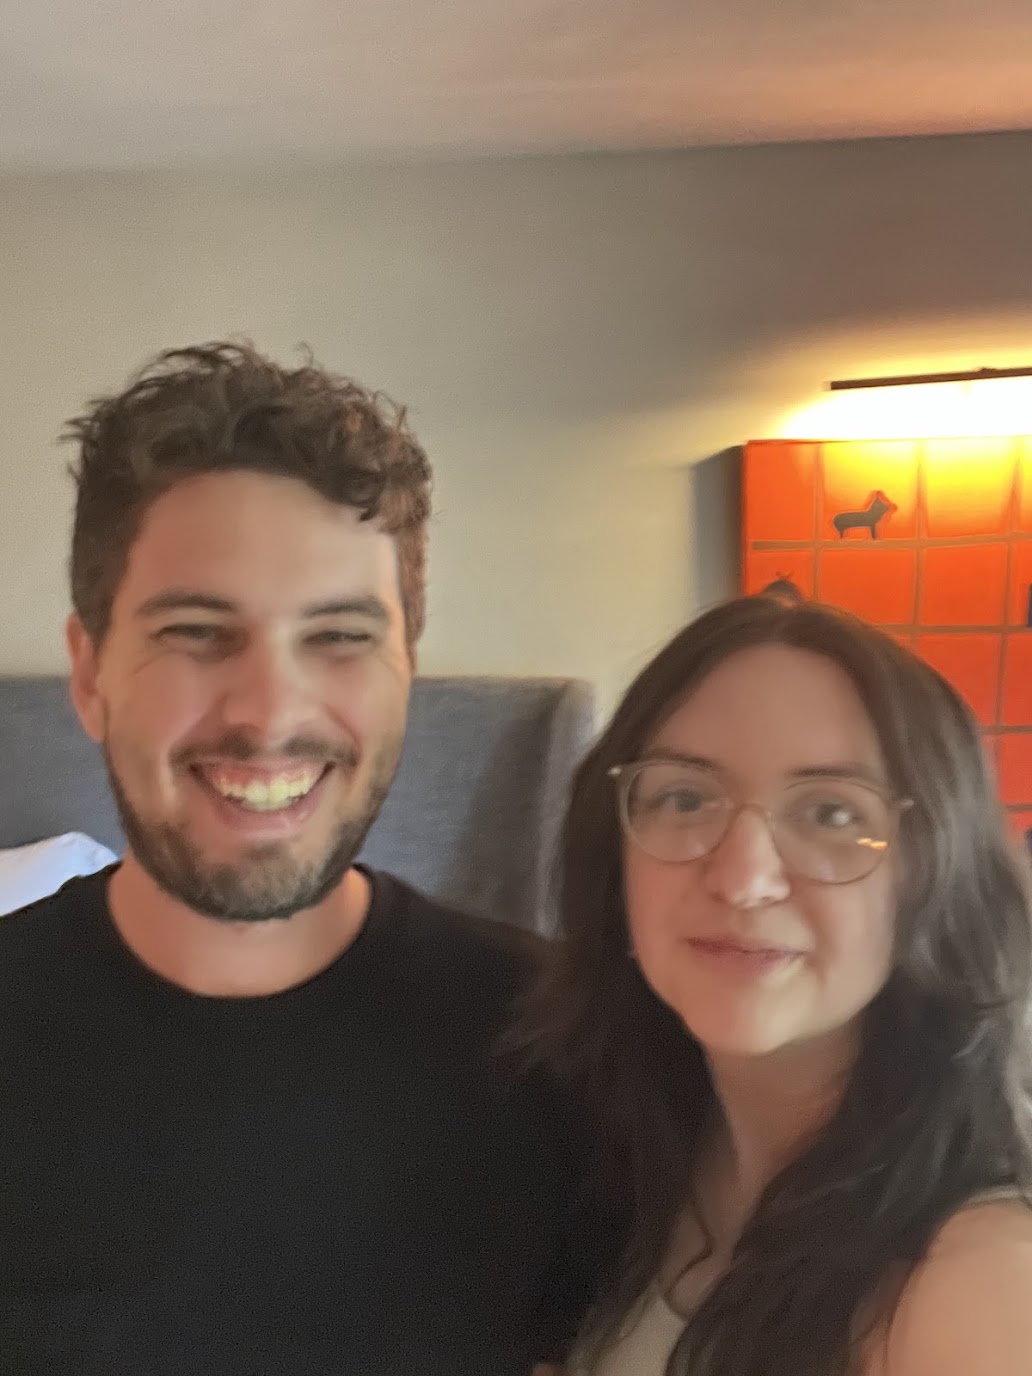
{"points": [[266, 884]]}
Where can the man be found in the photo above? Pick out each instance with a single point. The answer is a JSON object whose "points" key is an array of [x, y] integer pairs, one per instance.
{"points": [[252, 1118]]}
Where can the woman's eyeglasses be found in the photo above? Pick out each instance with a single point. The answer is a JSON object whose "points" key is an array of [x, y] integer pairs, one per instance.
{"points": [[831, 830]]}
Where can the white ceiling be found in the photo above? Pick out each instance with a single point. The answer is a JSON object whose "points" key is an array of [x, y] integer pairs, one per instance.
{"points": [[129, 82]]}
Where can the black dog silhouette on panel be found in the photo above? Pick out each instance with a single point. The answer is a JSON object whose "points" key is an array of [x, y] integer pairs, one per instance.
{"points": [[875, 512]]}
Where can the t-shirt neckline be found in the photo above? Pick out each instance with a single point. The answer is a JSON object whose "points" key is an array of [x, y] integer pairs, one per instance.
{"points": [[143, 983]]}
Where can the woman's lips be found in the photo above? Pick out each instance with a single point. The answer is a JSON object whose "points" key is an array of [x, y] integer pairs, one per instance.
{"points": [[743, 958]]}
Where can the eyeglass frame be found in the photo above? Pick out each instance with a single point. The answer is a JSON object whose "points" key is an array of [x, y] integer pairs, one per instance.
{"points": [[625, 774]]}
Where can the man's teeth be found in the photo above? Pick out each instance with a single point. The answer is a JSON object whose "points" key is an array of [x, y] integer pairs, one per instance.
{"points": [[267, 795]]}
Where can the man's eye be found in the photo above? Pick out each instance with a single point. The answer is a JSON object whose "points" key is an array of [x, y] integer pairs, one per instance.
{"points": [[198, 632], [340, 639], [198, 636]]}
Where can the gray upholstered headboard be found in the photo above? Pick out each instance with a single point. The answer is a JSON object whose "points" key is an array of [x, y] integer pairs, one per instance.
{"points": [[472, 816]]}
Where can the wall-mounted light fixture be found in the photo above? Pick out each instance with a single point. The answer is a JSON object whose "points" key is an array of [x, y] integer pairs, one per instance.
{"points": [[960, 403], [850, 384]]}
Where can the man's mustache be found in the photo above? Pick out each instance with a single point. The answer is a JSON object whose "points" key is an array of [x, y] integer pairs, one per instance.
{"points": [[243, 750]]}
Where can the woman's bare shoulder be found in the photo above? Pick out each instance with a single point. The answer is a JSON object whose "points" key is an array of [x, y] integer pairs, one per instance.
{"points": [[968, 1306]]}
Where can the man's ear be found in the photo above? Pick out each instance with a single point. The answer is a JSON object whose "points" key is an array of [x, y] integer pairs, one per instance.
{"points": [[84, 657]]}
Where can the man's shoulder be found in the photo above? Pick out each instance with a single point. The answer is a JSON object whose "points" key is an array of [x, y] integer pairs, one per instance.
{"points": [[423, 920], [32, 924], [446, 948], [42, 941]]}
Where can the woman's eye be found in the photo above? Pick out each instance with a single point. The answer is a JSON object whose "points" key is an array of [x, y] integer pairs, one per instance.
{"points": [[675, 800], [686, 800], [834, 816]]}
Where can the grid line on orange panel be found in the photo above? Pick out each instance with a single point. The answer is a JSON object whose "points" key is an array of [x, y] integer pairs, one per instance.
{"points": [[921, 522], [766, 566], [819, 479], [1013, 512], [1011, 586], [1019, 609], [1017, 537], [919, 579], [818, 501], [975, 629], [921, 532]]}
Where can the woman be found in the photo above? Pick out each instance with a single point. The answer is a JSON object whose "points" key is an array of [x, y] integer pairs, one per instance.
{"points": [[795, 992]]}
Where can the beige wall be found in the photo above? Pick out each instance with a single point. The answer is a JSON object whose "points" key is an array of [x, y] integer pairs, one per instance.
{"points": [[571, 334]]}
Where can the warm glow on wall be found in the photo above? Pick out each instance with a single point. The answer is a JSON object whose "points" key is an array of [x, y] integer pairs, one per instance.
{"points": [[1000, 406], [929, 539]]}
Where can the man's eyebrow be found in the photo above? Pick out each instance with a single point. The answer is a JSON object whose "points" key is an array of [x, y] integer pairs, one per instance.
{"points": [[369, 606], [184, 599]]}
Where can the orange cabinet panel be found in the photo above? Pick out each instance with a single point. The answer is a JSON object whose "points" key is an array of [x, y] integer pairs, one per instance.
{"points": [[853, 472], [1021, 583], [874, 581], [972, 665], [1017, 680], [780, 490], [968, 486], [1021, 821], [1025, 486], [902, 534], [764, 566], [1016, 770], [963, 585]]}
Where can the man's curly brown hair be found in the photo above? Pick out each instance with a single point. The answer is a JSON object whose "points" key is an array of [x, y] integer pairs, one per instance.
{"points": [[221, 407]]}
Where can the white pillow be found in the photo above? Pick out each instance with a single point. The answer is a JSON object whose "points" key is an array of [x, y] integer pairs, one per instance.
{"points": [[28, 873]]}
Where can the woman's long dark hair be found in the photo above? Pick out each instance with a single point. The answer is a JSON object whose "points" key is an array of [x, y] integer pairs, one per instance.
{"points": [[937, 1107]]}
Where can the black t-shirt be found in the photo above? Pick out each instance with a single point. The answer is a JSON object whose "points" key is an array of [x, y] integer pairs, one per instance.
{"points": [[342, 1178]]}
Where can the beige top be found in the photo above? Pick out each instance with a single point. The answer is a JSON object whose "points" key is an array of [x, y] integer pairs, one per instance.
{"points": [[652, 1333], [645, 1348]]}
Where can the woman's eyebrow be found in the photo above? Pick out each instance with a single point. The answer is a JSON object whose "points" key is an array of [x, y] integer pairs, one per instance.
{"points": [[853, 770], [661, 756]]}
